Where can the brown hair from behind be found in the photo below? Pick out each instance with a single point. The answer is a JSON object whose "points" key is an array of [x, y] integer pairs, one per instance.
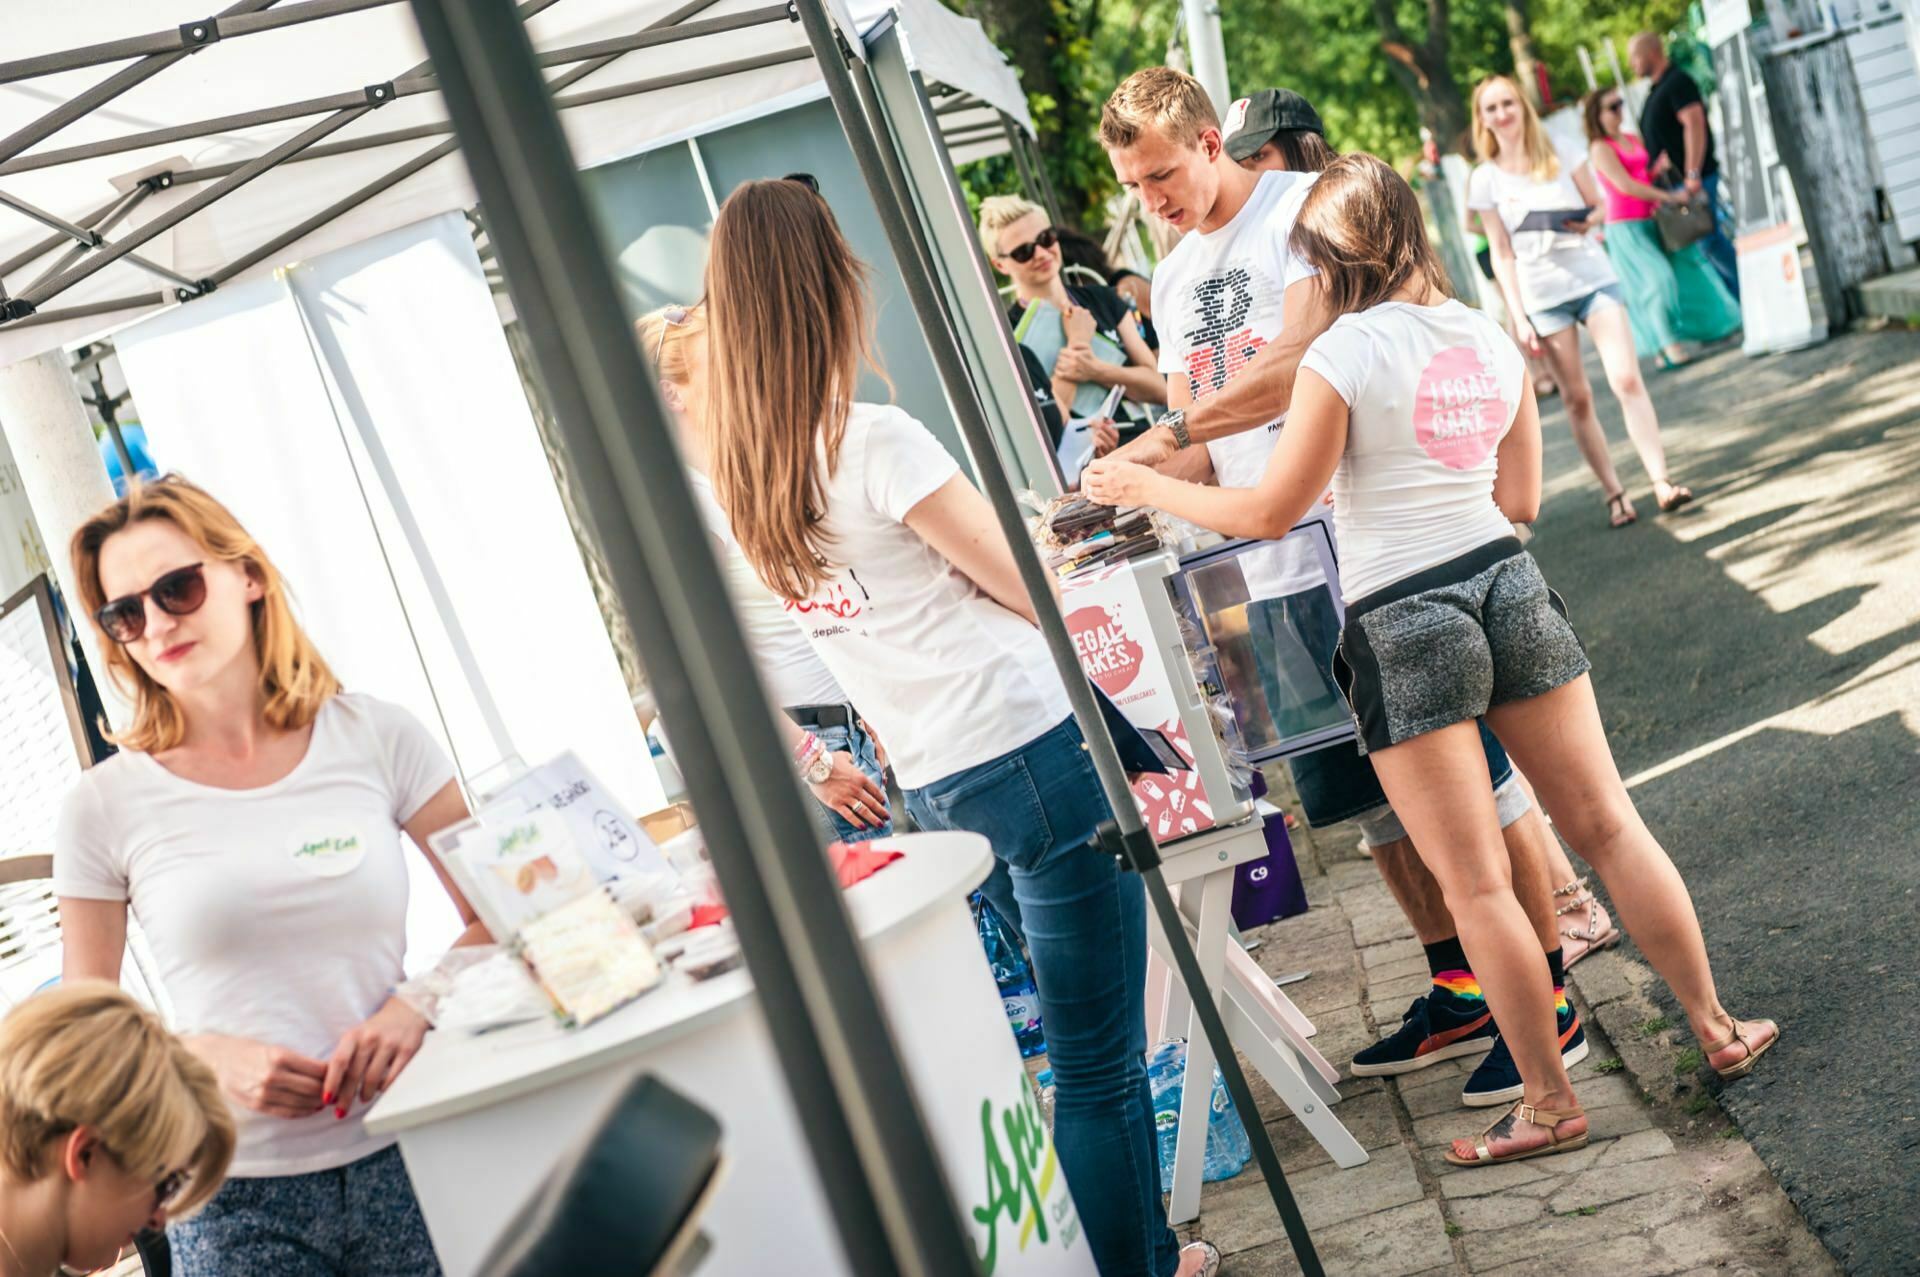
{"points": [[1304, 151], [1362, 227], [791, 323], [86, 1054], [1157, 99], [294, 680]]}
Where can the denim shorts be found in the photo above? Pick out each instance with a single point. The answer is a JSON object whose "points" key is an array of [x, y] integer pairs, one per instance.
{"points": [[855, 741], [1575, 310], [1445, 645], [357, 1220]]}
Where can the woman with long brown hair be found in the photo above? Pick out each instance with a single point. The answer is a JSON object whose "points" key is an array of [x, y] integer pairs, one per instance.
{"points": [[1536, 213], [253, 821], [896, 568]]}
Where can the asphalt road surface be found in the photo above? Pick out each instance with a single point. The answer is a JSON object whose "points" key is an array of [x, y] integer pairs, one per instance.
{"points": [[1757, 660]]}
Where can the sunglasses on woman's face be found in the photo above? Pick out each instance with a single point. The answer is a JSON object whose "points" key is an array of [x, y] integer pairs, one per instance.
{"points": [[1610, 108], [1024, 253], [177, 593]]}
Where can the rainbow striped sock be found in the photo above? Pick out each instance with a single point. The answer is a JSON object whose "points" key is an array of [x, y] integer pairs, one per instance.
{"points": [[1461, 984], [1559, 1000]]}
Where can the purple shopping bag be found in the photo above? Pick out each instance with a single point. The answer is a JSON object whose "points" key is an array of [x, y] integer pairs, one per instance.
{"points": [[1268, 889]]}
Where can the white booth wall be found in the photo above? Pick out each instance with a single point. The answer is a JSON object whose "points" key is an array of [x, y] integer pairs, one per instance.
{"points": [[656, 215], [362, 415]]}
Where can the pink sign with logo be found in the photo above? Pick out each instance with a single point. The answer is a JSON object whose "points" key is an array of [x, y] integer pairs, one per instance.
{"points": [[1106, 616]]}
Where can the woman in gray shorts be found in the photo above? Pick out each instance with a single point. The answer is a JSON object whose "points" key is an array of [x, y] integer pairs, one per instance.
{"points": [[1420, 411]]}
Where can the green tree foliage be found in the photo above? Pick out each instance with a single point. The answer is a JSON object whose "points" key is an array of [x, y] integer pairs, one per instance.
{"points": [[1071, 53]]}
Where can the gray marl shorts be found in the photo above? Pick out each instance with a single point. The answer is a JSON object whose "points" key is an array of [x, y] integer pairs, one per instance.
{"points": [[1444, 645]]}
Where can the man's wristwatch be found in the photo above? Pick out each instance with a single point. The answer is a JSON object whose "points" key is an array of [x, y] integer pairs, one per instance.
{"points": [[1176, 422]]}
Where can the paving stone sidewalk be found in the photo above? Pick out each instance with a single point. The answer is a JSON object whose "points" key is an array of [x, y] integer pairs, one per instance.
{"points": [[1665, 1186]]}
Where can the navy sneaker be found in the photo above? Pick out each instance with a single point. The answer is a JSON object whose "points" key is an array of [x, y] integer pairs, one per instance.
{"points": [[1497, 1081], [1433, 1029]]}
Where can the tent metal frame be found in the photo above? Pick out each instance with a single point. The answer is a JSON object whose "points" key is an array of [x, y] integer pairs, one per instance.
{"points": [[888, 1191], [28, 306]]}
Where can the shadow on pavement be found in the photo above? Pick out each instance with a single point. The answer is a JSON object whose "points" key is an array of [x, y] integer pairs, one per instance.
{"points": [[1802, 849]]}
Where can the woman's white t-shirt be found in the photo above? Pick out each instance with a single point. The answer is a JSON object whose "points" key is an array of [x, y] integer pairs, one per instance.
{"points": [[794, 674], [948, 677], [1555, 266], [277, 913], [1430, 392]]}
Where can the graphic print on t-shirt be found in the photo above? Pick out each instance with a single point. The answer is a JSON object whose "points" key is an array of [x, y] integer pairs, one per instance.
{"points": [[1220, 345], [1458, 413]]}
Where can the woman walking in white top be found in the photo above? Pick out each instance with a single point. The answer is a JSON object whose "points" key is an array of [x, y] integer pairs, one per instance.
{"points": [[907, 589], [253, 820], [1536, 215], [1419, 411]]}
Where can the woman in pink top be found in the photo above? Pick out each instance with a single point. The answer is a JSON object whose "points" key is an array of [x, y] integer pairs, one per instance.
{"points": [[1672, 298]]}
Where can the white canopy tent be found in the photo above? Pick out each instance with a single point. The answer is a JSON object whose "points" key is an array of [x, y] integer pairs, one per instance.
{"points": [[139, 170]]}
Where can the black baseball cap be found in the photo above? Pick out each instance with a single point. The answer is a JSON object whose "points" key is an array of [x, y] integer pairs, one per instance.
{"points": [[1252, 122]]}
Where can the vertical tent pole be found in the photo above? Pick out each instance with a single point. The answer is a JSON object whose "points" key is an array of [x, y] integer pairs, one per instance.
{"points": [[1048, 195], [1135, 845], [877, 1164], [1028, 182]]}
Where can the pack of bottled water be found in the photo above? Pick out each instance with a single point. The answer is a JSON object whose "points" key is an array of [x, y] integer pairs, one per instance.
{"points": [[1228, 1148]]}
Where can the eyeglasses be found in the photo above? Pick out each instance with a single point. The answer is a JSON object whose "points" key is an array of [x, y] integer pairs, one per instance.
{"points": [[177, 593], [1024, 253], [807, 180], [674, 317], [168, 1190]]}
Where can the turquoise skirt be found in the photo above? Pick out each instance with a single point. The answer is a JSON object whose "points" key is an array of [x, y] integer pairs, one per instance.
{"points": [[1671, 297]]}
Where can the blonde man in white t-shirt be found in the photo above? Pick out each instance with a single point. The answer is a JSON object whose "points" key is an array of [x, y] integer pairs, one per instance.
{"points": [[1419, 412], [256, 821], [1238, 307]]}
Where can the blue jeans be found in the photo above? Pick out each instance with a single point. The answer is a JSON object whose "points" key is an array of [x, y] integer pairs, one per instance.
{"points": [[1718, 246], [357, 1220], [1085, 923], [854, 741]]}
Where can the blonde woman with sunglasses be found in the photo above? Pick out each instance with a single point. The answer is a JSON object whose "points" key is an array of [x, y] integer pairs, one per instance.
{"points": [[256, 820], [109, 1127]]}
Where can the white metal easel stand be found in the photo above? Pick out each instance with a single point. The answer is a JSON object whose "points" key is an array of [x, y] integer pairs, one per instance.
{"points": [[1265, 1025]]}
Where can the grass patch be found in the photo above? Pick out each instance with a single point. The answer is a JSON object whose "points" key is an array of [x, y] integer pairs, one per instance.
{"points": [[1580, 1210], [1689, 1062], [1658, 1024], [1731, 1133], [1453, 1229], [1609, 1066], [1699, 1103]]}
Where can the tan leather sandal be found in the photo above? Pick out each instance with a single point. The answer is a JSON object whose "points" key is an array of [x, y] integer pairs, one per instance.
{"points": [[1744, 1065], [1547, 1119], [1576, 942]]}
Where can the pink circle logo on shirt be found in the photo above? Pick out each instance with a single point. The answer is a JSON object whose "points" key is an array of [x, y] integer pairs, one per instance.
{"points": [[1458, 412]]}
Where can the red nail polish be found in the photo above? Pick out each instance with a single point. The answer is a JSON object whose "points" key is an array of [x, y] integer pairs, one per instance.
{"points": [[327, 1098], [340, 1112]]}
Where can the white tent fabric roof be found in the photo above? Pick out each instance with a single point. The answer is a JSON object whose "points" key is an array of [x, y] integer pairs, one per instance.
{"points": [[342, 54]]}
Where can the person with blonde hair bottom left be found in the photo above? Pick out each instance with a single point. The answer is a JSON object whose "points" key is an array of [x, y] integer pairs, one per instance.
{"points": [[109, 1126]]}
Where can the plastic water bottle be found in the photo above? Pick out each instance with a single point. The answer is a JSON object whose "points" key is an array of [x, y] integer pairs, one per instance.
{"points": [[1228, 1147], [1015, 978]]}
